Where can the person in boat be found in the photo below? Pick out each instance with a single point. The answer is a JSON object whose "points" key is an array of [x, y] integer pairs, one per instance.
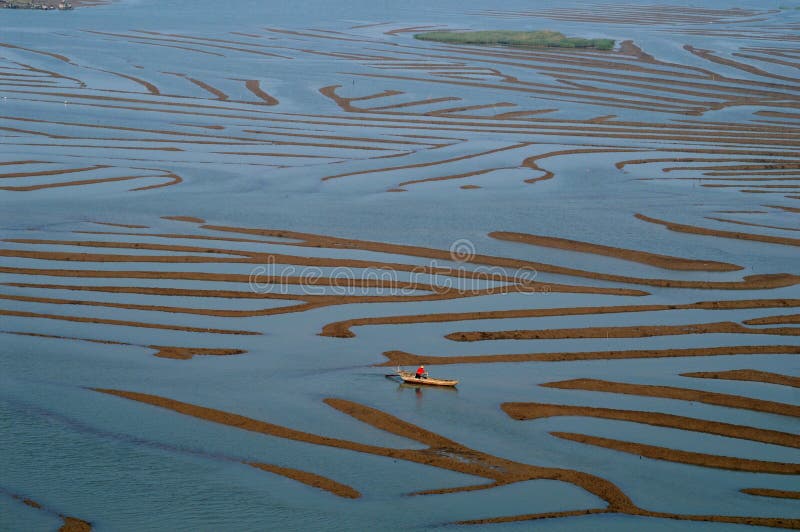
{"points": [[421, 373]]}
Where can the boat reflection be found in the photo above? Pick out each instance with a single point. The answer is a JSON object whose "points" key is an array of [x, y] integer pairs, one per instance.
{"points": [[419, 387]]}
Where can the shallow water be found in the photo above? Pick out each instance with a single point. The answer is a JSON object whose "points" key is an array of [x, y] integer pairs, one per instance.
{"points": [[99, 102]]}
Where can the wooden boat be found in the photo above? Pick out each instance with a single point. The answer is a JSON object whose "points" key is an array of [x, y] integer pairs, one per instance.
{"points": [[410, 378]]}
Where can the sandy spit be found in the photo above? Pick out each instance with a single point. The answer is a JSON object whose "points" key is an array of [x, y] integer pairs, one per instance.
{"points": [[643, 257], [401, 358], [682, 394], [685, 457], [310, 479], [763, 492], [636, 331], [526, 411], [342, 329], [682, 228]]}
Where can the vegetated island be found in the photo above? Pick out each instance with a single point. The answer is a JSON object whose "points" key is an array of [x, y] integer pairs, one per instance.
{"points": [[526, 39]]}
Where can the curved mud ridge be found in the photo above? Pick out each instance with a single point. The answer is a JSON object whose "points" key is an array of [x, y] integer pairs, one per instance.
{"points": [[526, 411], [684, 228], [69, 523], [442, 453], [401, 358], [681, 394], [778, 494], [635, 331], [643, 257], [684, 457], [748, 375], [342, 329], [161, 351], [310, 479]]}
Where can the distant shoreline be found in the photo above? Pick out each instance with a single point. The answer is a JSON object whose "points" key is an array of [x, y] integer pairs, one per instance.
{"points": [[49, 5]]}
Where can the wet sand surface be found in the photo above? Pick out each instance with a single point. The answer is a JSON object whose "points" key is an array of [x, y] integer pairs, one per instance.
{"points": [[445, 453], [73, 524]]}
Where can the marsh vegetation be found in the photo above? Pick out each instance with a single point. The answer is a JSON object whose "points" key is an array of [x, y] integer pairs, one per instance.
{"points": [[527, 39]]}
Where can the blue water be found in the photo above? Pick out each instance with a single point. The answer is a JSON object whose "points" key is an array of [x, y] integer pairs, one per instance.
{"points": [[123, 465]]}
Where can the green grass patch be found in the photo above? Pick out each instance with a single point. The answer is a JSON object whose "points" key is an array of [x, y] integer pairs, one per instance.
{"points": [[527, 39]]}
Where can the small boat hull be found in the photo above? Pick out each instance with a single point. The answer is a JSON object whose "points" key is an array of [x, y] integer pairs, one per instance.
{"points": [[410, 378]]}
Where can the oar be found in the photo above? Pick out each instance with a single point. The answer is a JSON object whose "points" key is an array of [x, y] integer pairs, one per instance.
{"points": [[397, 369]]}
